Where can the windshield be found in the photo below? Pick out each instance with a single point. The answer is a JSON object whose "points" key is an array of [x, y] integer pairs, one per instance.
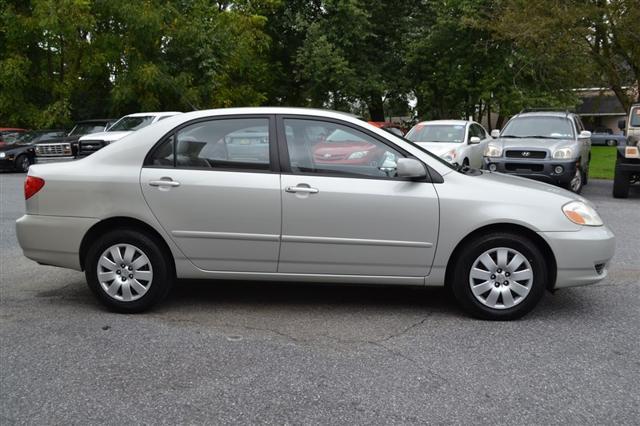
{"points": [[430, 154], [538, 127], [86, 129], [131, 123], [635, 117], [437, 133]]}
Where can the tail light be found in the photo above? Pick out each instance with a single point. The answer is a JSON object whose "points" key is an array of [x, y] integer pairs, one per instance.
{"points": [[32, 185]]}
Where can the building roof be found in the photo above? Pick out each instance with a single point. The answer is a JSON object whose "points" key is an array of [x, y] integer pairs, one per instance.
{"points": [[600, 105]]}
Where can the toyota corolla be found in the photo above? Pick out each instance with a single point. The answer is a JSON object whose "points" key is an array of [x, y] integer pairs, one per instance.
{"points": [[177, 200]]}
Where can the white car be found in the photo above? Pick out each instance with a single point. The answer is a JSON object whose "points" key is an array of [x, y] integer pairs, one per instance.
{"points": [[459, 142], [128, 124]]}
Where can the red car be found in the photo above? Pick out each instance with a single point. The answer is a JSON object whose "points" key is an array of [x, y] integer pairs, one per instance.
{"points": [[341, 148], [388, 126]]}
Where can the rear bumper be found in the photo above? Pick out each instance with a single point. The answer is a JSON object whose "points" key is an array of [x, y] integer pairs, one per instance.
{"points": [[582, 257], [542, 170], [53, 240]]}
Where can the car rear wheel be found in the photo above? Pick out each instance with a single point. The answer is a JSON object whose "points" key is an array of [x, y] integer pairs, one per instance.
{"points": [[23, 163], [128, 271], [500, 276], [611, 142]]}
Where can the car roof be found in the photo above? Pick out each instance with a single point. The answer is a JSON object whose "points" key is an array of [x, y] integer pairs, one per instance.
{"points": [[95, 120], [447, 122], [562, 114], [156, 113]]}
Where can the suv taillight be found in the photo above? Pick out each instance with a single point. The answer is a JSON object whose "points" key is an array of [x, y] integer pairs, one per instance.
{"points": [[32, 185]]}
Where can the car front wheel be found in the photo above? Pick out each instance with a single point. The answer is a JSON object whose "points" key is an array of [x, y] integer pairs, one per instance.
{"points": [[128, 271], [23, 163], [501, 276]]}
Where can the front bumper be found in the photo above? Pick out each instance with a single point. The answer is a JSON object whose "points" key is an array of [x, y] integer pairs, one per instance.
{"points": [[45, 160], [542, 170], [582, 257], [7, 163], [53, 240]]}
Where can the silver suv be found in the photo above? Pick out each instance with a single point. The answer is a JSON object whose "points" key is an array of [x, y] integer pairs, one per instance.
{"points": [[549, 146]]}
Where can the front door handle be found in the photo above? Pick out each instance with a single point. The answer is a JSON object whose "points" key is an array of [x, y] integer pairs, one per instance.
{"points": [[164, 182], [303, 189]]}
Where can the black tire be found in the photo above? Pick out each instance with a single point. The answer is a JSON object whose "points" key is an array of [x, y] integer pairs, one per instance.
{"points": [[460, 275], [621, 184], [23, 162], [578, 190], [161, 265]]}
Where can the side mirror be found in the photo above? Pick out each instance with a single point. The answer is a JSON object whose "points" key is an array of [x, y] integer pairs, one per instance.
{"points": [[474, 140], [495, 133], [622, 124], [585, 134], [410, 168]]}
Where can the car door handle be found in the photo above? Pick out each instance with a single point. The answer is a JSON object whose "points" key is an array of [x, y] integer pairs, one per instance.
{"points": [[164, 182], [303, 189]]}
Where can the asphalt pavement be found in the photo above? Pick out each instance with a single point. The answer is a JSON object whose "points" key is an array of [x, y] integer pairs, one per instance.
{"points": [[237, 352]]}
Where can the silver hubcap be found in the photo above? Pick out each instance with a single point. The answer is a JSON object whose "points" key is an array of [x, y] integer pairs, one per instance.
{"points": [[124, 272], [501, 278], [576, 182]]}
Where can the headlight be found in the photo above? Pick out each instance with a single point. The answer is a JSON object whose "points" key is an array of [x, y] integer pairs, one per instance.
{"points": [[449, 156], [3, 154], [581, 214], [358, 154], [493, 151], [563, 153]]}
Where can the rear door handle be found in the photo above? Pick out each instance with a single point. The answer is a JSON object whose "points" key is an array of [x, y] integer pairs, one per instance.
{"points": [[164, 182], [303, 189]]}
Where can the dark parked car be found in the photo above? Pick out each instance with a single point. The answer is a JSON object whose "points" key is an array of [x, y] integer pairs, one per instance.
{"points": [[20, 153], [66, 147], [605, 136]]}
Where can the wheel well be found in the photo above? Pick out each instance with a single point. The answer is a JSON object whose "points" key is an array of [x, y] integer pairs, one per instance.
{"points": [[121, 222], [513, 229]]}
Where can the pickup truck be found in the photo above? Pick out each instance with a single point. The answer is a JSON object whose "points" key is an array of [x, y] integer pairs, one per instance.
{"points": [[627, 170], [126, 125], [66, 147]]}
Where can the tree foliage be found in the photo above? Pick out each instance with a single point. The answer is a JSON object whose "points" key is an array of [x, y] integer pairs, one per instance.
{"points": [[62, 60]]}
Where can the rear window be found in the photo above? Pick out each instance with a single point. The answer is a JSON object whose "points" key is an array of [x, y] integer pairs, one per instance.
{"points": [[437, 133]]}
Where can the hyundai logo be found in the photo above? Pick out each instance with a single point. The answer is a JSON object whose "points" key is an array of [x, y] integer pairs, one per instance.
{"points": [[526, 153]]}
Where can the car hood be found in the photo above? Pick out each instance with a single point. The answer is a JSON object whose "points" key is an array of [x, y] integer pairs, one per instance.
{"points": [[439, 148], [10, 147], [532, 143], [105, 136]]}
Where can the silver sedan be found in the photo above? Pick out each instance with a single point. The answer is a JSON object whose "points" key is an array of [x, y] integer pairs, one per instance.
{"points": [[293, 194]]}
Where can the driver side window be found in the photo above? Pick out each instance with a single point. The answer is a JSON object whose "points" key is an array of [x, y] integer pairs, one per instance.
{"points": [[329, 148]]}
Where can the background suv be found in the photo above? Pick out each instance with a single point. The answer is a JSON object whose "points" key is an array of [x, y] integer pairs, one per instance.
{"points": [[550, 146]]}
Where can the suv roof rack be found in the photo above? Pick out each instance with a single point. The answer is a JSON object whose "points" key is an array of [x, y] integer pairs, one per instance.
{"points": [[545, 109]]}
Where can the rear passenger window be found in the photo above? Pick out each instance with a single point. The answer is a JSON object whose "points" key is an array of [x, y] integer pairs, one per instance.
{"points": [[218, 144]]}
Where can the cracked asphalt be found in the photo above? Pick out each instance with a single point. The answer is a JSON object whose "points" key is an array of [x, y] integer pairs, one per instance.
{"points": [[251, 352]]}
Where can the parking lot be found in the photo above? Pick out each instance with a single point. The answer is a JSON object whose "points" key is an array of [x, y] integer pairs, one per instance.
{"points": [[238, 352]]}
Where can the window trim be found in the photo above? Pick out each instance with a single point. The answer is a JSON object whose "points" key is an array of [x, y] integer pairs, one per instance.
{"points": [[285, 165], [274, 163]]}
